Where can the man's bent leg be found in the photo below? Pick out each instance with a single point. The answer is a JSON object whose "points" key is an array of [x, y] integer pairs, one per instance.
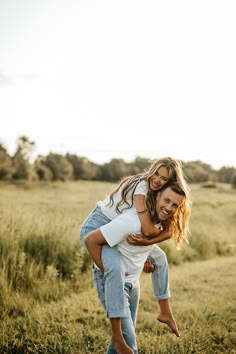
{"points": [[117, 339], [128, 323]]}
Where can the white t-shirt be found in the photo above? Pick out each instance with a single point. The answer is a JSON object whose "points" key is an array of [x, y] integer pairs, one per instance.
{"points": [[115, 233], [110, 211]]}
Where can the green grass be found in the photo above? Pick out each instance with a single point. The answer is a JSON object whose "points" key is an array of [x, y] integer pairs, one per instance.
{"points": [[47, 300]]}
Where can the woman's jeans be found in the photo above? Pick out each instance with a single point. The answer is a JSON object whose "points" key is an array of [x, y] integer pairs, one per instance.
{"points": [[160, 275], [131, 301], [114, 277]]}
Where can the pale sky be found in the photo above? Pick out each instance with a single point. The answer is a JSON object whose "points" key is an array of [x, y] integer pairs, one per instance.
{"points": [[120, 79]]}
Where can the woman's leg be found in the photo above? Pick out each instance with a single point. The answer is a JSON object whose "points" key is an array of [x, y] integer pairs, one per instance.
{"points": [[160, 275], [160, 284], [94, 221], [114, 276]]}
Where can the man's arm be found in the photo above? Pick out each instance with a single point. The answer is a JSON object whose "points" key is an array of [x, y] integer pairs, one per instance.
{"points": [[94, 241]]}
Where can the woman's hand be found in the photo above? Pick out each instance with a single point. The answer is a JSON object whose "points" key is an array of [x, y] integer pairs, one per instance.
{"points": [[137, 240]]}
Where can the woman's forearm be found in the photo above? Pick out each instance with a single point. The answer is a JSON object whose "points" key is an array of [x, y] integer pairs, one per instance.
{"points": [[163, 236], [152, 231], [140, 240]]}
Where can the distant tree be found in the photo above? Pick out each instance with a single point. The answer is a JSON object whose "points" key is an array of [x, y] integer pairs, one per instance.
{"points": [[196, 171], [6, 167], [21, 164], [60, 168], [90, 170], [132, 169], [234, 181], [25, 146], [82, 167], [77, 164], [113, 171], [141, 164], [44, 173], [226, 174]]}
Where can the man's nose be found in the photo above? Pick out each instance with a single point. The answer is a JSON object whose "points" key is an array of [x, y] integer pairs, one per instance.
{"points": [[169, 208]]}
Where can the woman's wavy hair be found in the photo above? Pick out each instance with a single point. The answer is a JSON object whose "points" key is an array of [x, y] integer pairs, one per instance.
{"points": [[128, 184]]}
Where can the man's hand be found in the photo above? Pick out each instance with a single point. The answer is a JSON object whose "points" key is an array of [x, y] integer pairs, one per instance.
{"points": [[137, 240], [148, 266]]}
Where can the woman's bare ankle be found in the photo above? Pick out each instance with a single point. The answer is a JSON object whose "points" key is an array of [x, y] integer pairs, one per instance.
{"points": [[168, 318], [120, 345]]}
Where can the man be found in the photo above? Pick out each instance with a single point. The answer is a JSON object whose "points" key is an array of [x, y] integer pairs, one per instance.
{"points": [[132, 259]]}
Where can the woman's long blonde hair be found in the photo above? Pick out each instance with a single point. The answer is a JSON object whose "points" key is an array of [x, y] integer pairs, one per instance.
{"points": [[179, 224]]}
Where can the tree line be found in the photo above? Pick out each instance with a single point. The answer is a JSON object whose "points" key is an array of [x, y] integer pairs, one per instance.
{"points": [[69, 167]]}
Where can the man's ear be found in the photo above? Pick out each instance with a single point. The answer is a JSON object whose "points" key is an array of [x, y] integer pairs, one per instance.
{"points": [[158, 195]]}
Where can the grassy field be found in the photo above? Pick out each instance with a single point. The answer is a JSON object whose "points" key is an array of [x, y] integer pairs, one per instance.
{"points": [[47, 300], [204, 304]]}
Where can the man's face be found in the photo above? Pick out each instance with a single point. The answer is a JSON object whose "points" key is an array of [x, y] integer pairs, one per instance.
{"points": [[167, 203]]}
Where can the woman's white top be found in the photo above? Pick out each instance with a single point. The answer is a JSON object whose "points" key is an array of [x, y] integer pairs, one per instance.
{"points": [[110, 211]]}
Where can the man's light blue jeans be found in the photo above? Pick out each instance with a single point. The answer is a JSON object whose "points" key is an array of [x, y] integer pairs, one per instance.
{"points": [[131, 301]]}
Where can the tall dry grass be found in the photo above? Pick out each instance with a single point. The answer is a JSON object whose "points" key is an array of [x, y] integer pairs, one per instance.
{"points": [[45, 281]]}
